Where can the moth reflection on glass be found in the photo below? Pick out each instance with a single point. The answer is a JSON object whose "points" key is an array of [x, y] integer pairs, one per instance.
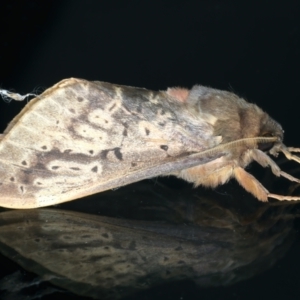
{"points": [[82, 137]]}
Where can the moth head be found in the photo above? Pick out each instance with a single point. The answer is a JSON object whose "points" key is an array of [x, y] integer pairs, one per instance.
{"points": [[270, 129]]}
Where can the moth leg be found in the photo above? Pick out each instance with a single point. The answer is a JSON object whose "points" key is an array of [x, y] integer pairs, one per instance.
{"points": [[292, 149], [289, 177], [282, 198], [265, 161], [288, 153], [213, 177], [251, 184]]}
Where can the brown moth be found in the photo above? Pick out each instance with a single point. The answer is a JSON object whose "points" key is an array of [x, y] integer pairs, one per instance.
{"points": [[82, 137]]}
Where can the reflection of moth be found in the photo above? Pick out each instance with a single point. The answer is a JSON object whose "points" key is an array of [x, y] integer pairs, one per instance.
{"points": [[110, 258], [81, 137]]}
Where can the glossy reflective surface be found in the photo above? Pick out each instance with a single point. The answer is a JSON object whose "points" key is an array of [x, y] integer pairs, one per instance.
{"points": [[154, 236]]}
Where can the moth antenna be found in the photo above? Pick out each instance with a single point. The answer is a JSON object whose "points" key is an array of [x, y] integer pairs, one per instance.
{"points": [[289, 155], [245, 141]]}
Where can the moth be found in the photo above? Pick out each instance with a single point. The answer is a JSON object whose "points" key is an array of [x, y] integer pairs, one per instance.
{"points": [[82, 137]]}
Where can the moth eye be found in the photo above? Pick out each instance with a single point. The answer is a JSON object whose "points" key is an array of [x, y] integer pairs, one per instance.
{"points": [[266, 146], [267, 134]]}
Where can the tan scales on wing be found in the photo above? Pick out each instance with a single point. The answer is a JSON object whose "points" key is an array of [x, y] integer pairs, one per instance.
{"points": [[75, 139]]}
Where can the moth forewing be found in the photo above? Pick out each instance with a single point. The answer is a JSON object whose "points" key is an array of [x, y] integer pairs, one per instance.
{"points": [[81, 137]]}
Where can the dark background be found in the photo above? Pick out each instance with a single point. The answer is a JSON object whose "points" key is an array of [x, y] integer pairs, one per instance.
{"points": [[251, 48]]}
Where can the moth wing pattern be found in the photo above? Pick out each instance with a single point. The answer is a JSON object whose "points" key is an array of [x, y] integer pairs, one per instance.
{"points": [[81, 137]]}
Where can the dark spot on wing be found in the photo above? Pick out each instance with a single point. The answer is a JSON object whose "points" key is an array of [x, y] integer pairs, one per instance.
{"points": [[75, 168], [104, 153], [79, 99], [12, 179], [164, 147], [112, 107], [147, 131], [124, 132], [118, 153], [44, 147], [55, 167], [24, 163], [94, 169]]}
